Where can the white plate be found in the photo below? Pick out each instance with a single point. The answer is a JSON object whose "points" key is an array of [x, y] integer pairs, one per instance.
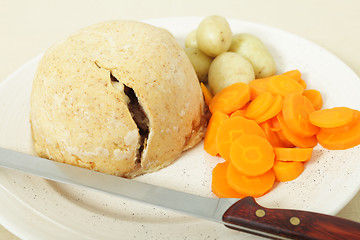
{"points": [[34, 208]]}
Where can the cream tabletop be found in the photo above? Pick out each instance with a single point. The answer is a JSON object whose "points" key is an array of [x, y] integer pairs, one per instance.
{"points": [[30, 27]]}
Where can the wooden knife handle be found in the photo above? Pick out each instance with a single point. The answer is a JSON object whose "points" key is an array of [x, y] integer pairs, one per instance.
{"points": [[291, 224]]}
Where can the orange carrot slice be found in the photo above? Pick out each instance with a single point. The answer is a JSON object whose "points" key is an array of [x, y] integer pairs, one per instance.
{"points": [[284, 140], [230, 98], [271, 136], [258, 86], [343, 139], [272, 111], [344, 128], [302, 83], [283, 85], [294, 74], [315, 98], [238, 113], [293, 154], [215, 122], [250, 186], [252, 155], [296, 111], [277, 129], [231, 129], [219, 184], [275, 125], [298, 141], [207, 94], [245, 106], [259, 105], [333, 117], [287, 171]]}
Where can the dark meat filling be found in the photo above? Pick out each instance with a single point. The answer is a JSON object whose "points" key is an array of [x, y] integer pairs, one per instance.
{"points": [[139, 117]]}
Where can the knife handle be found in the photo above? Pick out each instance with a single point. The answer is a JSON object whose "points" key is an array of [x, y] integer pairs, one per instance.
{"points": [[293, 224]]}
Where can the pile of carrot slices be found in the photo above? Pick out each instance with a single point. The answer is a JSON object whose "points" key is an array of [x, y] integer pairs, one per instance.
{"points": [[266, 131]]}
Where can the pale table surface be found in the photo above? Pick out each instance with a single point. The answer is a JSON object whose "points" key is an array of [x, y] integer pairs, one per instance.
{"points": [[27, 28]]}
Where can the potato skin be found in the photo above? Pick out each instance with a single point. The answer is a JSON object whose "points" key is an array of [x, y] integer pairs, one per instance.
{"points": [[190, 41], [254, 50], [213, 35], [229, 68], [200, 61]]}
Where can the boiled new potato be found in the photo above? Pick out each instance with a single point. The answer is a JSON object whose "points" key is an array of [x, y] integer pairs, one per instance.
{"points": [[213, 35], [200, 62], [190, 41], [253, 49], [229, 68]]}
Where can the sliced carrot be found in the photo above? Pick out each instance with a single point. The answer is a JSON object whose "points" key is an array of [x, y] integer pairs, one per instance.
{"points": [[333, 117], [230, 98], [283, 85], [245, 106], [238, 113], [277, 129], [219, 184], [284, 140], [259, 105], [250, 186], [345, 127], [258, 86], [298, 141], [231, 129], [294, 74], [296, 111], [315, 98], [274, 109], [343, 139], [207, 94], [215, 122], [293, 154], [275, 125], [271, 136], [252, 155], [287, 171], [302, 83]]}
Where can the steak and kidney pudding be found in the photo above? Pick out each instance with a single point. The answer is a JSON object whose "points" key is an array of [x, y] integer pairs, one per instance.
{"points": [[118, 97]]}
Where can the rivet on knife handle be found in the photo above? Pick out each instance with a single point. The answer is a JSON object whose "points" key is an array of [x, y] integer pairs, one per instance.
{"points": [[293, 224]]}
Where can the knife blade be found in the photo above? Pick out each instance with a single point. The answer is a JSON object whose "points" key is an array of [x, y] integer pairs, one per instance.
{"points": [[239, 214]]}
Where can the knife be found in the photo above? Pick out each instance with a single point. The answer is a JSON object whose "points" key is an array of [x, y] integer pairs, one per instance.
{"points": [[243, 215]]}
